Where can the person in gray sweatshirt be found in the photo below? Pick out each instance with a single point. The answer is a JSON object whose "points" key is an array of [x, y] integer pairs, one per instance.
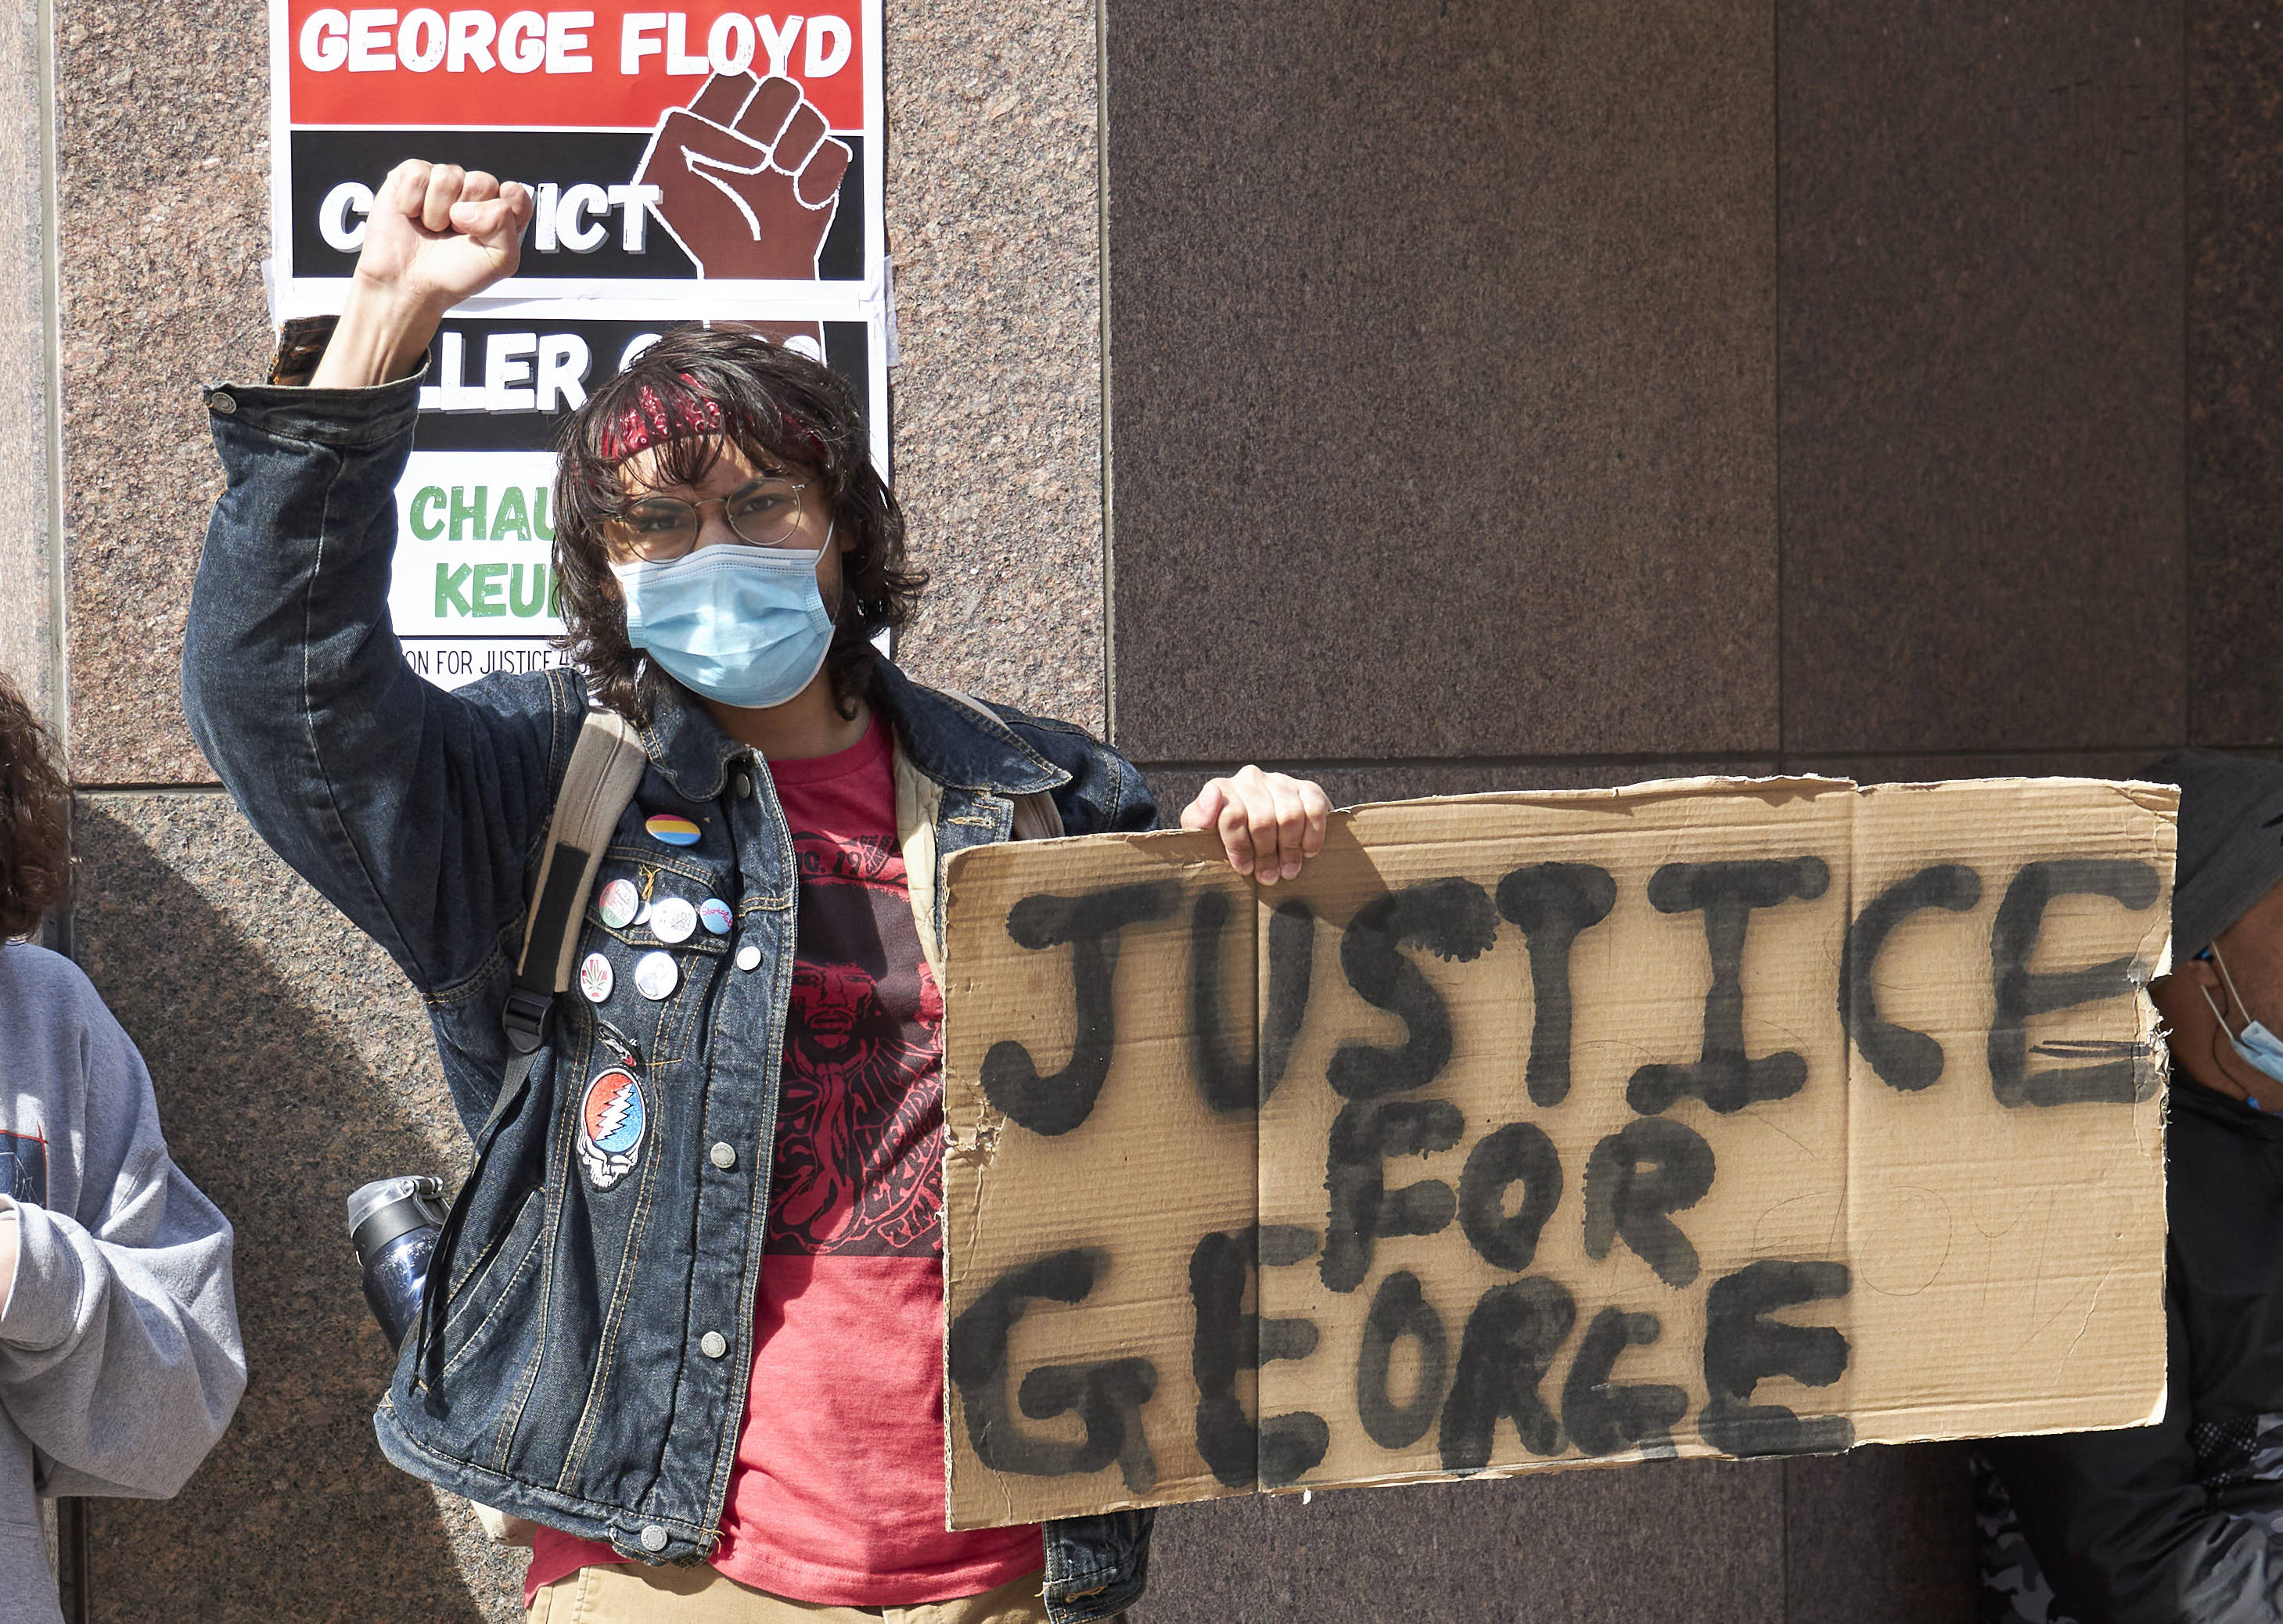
{"points": [[120, 1357]]}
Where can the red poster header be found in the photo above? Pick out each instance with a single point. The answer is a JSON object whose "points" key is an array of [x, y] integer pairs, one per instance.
{"points": [[603, 66]]}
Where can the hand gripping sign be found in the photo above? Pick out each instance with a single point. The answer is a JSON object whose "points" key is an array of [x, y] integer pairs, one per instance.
{"points": [[666, 148], [1530, 1131]]}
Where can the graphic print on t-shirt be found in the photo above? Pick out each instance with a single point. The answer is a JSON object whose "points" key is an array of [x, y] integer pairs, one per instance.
{"points": [[860, 1131]]}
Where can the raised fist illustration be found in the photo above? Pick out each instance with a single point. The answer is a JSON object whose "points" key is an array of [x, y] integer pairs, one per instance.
{"points": [[748, 179]]}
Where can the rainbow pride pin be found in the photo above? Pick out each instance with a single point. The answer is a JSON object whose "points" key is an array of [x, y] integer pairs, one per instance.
{"points": [[670, 830]]}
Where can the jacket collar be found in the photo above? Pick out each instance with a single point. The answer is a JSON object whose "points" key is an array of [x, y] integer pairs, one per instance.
{"points": [[684, 744], [958, 745], [952, 743]]}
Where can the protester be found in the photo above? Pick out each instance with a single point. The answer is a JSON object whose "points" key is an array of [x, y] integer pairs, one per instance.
{"points": [[693, 1305], [120, 1360], [2182, 1522]]}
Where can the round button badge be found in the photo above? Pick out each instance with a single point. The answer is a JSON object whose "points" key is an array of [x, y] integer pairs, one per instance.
{"points": [[618, 903], [670, 830], [596, 978], [749, 956], [657, 975], [673, 919], [714, 914]]}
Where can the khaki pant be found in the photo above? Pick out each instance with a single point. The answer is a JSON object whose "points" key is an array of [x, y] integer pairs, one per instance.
{"points": [[634, 1593]]}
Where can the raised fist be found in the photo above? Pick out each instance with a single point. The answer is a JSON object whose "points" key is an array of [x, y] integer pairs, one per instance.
{"points": [[437, 234], [748, 179]]}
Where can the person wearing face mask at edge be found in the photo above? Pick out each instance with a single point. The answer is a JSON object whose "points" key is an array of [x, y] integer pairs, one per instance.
{"points": [[2182, 1522], [693, 1325]]}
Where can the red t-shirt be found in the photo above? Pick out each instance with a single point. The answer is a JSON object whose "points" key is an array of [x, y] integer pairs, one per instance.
{"points": [[836, 1496]]}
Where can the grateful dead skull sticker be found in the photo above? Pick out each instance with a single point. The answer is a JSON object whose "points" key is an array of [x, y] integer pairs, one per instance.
{"points": [[612, 1121]]}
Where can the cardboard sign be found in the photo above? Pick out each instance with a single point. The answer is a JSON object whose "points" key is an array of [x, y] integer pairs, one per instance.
{"points": [[1529, 1132], [665, 147]]}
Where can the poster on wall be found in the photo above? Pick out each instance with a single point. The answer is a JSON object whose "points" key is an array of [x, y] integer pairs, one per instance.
{"points": [[474, 589], [692, 166], [665, 148]]}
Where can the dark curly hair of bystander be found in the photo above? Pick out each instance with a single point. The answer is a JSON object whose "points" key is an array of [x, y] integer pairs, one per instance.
{"points": [[35, 818]]}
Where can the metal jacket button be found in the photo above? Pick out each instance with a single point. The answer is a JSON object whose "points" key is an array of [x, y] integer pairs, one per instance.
{"points": [[714, 1344], [222, 402], [725, 1155], [653, 1538], [744, 787]]}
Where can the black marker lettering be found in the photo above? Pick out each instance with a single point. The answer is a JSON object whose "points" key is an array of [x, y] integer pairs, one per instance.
{"points": [[1553, 903], [2126, 1079], [1605, 1418], [1452, 918], [1727, 893], [1904, 1059], [1510, 1341], [1635, 1179], [1742, 1347], [1283, 1447], [1229, 1085], [1107, 1396], [1364, 1135], [1398, 1310], [1518, 1153], [1089, 924], [1291, 962]]}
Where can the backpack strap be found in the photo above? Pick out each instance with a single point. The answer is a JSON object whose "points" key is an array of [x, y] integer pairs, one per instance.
{"points": [[1036, 815], [606, 765]]}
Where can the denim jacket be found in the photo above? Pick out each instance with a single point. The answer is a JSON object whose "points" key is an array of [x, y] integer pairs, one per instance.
{"points": [[582, 1356]]}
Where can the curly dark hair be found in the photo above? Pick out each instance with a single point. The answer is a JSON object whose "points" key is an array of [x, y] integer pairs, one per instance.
{"points": [[35, 818], [780, 409]]}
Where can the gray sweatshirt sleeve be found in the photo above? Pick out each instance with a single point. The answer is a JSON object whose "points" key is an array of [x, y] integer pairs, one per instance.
{"points": [[120, 1355]]}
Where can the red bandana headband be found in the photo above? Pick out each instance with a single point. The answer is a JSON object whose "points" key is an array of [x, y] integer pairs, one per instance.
{"points": [[650, 421]]}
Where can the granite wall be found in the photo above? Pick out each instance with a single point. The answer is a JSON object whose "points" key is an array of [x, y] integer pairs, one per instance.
{"points": [[28, 630], [291, 1061], [1567, 393], [1495, 394]]}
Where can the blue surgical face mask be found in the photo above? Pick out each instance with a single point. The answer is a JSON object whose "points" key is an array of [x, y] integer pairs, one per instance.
{"points": [[2260, 1048], [744, 625]]}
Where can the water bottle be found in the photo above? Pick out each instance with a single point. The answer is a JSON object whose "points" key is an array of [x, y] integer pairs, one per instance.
{"points": [[392, 1225]]}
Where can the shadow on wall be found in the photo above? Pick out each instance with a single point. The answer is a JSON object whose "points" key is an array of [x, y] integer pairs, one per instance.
{"points": [[1879, 1535], [293, 1063]]}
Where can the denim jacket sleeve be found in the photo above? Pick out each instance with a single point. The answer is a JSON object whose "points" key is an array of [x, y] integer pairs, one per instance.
{"points": [[413, 809], [1106, 793]]}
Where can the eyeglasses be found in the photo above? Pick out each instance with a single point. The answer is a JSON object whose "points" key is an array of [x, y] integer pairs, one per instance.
{"points": [[660, 529]]}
